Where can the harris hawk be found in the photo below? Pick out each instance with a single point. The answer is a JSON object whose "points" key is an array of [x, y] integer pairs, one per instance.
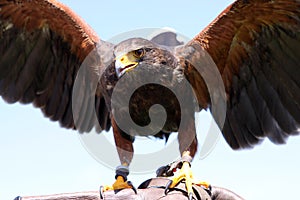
{"points": [[253, 43]]}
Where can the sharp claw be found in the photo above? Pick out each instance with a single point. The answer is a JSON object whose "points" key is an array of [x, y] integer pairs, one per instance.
{"points": [[209, 189], [101, 192], [168, 170], [133, 188], [190, 196], [162, 171], [168, 186]]}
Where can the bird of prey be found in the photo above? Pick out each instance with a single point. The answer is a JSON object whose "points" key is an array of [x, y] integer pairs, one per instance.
{"points": [[255, 45]]}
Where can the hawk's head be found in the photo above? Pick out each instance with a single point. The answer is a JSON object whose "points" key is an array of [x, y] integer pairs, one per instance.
{"points": [[137, 52]]}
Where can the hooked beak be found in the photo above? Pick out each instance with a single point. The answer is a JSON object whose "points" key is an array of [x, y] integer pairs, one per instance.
{"points": [[125, 63]]}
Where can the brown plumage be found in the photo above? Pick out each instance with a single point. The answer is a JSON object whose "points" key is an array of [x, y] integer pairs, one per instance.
{"points": [[29, 28], [255, 45]]}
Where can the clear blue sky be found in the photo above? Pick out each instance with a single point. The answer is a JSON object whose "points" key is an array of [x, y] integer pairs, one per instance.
{"points": [[39, 157]]}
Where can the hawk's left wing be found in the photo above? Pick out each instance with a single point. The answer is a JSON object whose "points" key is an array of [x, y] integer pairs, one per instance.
{"points": [[256, 47]]}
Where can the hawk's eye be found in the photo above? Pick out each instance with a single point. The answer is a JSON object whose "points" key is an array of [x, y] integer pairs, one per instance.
{"points": [[139, 53]]}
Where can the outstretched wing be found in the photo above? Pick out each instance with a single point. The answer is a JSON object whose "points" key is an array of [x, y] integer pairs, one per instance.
{"points": [[256, 46], [42, 46]]}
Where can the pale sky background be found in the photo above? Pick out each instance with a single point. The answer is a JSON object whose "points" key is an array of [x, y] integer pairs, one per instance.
{"points": [[38, 157]]}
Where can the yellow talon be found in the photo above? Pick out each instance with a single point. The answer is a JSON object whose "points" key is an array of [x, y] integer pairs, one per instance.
{"points": [[118, 185], [204, 184], [186, 174]]}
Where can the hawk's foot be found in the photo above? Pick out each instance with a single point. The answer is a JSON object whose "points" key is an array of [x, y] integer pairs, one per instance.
{"points": [[120, 183], [184, 175]]}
